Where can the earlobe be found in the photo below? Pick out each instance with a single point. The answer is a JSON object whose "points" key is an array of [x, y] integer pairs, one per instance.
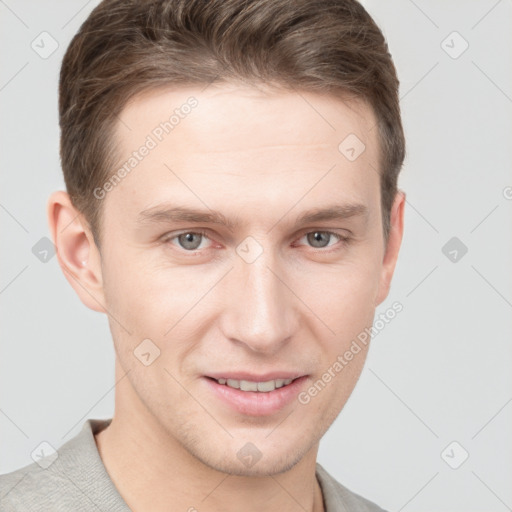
{"points": [[393, 246], [77, 253]]}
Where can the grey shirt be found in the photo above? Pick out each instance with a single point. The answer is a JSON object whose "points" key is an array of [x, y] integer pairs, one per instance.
{"points": [[77, 481]]}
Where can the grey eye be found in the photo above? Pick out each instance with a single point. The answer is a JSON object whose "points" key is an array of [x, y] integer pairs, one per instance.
{"points": [[319, 238], [186, 240]]}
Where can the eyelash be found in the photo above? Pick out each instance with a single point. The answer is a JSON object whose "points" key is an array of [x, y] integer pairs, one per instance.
{"points": [[343, 239]]}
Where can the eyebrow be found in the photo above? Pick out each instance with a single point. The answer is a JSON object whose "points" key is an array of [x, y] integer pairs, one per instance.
{"points": [[334, 212], [184, 214]]}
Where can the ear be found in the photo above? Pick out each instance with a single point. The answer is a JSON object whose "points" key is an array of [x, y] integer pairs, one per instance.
{"points": [[393, 246], [78, 256]]}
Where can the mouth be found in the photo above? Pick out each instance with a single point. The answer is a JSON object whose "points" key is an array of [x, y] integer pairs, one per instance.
{"points": [[252, 385], [256, 395]]}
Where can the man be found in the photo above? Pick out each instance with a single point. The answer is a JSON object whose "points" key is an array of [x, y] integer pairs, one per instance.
{"points": [[232, 206]]}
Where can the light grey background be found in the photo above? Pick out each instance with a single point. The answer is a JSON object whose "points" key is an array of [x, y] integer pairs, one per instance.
{"points": [[439, 372]]}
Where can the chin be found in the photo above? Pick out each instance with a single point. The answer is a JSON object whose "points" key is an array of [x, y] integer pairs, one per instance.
{"points": [[266, 466], [248, 460]]}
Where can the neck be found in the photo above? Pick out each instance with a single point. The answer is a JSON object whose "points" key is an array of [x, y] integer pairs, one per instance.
{"points": [[151, 470]]}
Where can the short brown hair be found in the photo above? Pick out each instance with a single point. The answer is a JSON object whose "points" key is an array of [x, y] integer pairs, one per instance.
{"points": [[129, 46]]}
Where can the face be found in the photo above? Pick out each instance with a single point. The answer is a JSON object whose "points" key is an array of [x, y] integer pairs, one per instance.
{"points": [[242, 245]]}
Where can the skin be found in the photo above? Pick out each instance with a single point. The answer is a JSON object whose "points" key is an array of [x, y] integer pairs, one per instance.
{"points": [[261, 158]]}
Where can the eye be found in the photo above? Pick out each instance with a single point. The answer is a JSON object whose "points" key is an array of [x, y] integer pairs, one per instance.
{"points": [[321, 239], [193, 240], [190, 240]]}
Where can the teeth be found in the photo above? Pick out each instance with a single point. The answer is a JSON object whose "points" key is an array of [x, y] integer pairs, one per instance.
{"points": [[246, 385], [266, 386], [232, 383]]}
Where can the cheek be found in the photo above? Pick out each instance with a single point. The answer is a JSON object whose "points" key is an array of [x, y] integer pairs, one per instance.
{"points": [[342, 296], [147, 295], [161, 303]]}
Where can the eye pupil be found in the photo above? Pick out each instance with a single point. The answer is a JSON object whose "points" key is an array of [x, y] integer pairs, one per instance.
{"points": [[186, 240], [317, 238], [192, 240]]}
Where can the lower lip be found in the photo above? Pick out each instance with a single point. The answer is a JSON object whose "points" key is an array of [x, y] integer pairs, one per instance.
{"points": [[257, 403]]}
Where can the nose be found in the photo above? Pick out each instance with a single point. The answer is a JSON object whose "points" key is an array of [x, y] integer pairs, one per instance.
{"points": [[260, 308]]}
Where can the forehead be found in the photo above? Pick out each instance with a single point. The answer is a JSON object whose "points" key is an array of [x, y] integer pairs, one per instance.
{"points": [[226, 114], [248, 144]]}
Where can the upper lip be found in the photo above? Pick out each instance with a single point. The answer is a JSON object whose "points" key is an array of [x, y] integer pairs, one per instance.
{"points": [[265, 377]]}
